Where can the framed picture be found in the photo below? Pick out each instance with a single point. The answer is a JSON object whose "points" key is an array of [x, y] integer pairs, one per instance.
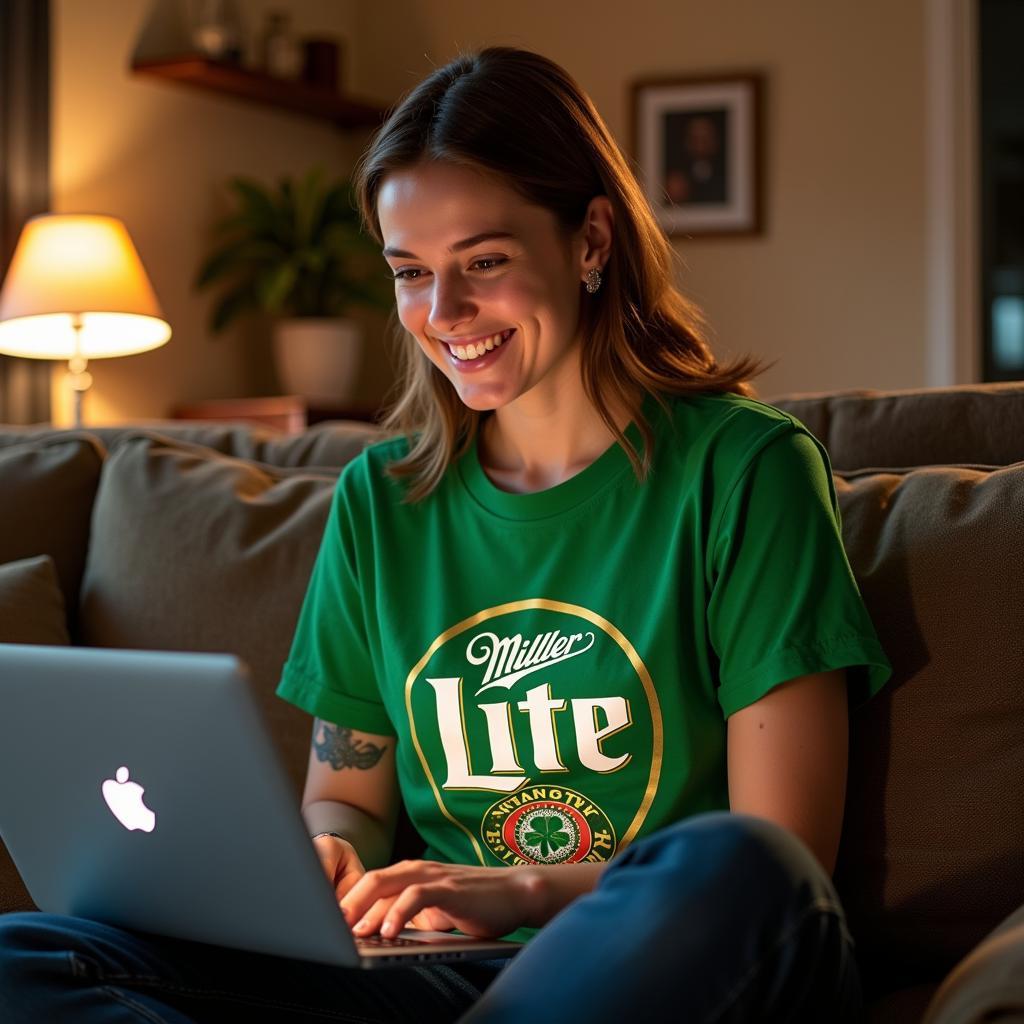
{"points": [[697, 144]]}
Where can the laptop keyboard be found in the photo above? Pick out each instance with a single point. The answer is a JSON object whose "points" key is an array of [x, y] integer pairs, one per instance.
{"points": [[380, 942]]}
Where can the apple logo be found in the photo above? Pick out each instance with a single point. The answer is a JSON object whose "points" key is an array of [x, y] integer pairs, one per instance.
{"points": [[124, 798]]}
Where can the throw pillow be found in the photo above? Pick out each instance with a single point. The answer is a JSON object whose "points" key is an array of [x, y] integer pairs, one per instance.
{"points": [[930, 856], [192, 550], [31, 603], [48, 485]]}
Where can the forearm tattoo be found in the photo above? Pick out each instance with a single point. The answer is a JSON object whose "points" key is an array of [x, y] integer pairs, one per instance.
{"points": [[335, 745]]}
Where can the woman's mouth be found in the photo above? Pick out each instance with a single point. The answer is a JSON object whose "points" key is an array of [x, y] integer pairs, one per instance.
{"points": [[480, 353]]}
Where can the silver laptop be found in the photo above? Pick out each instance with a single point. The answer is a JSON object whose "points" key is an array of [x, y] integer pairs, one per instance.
{"points": [[143, 789]]}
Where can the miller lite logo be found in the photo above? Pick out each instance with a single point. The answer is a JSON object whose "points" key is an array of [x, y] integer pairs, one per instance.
{"points": [[539, 729]]}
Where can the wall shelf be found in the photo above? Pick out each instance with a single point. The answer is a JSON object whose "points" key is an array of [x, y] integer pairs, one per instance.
{"points": [[345, 112]]}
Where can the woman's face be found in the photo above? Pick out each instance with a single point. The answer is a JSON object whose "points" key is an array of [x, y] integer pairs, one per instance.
{"points": [[515, 298]]}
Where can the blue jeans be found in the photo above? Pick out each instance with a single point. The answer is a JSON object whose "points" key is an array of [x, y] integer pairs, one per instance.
{"points": [[720, 917]]}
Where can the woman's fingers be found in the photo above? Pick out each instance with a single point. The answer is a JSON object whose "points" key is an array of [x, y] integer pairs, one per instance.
{"points": [[432, 919], [408, 903], [370, 922], [437, 896], [428, 918], [380, 884]]}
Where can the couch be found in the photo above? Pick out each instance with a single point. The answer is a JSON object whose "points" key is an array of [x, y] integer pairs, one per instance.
{"points": [[201, 536]]}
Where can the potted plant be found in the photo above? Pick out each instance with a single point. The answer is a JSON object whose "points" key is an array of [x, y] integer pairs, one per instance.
{"points": [[298, 253]]}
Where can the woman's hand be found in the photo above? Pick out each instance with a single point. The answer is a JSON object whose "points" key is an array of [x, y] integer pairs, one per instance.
{"points": [[488, 902], [340, 862]]}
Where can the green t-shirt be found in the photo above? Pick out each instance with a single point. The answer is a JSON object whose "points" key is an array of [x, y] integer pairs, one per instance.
{"points": [[558, 667]]}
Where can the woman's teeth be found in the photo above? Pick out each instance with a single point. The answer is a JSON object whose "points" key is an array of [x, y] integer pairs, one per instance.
{"points": [[476, 350]]}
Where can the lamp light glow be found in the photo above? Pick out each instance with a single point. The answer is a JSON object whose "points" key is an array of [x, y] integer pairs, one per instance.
{"points": [[76, 290]]}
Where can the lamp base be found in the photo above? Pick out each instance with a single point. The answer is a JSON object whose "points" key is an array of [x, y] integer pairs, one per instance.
{"points": [[80, 381]]}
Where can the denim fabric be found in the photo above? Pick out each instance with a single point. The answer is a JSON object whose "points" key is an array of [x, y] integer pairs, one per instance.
{"points": [[720, 917]]}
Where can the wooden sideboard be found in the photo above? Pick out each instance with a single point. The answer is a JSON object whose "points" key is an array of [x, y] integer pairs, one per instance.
{"points": [[289, 413]]}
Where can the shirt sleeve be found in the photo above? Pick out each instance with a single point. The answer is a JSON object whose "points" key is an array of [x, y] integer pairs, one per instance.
{"points": [[784, 601], [329, 671]]}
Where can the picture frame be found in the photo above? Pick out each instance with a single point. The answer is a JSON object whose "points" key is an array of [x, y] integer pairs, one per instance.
{"points": [[697, 143]]}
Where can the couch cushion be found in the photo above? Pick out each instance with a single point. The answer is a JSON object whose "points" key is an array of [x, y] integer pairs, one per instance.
{"points": [[196, 551], [930, 859], [48, 485], [31, 612], [976, 423], [31, 603], [328, 445]]}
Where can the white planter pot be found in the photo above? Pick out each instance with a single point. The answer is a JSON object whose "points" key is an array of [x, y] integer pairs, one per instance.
{"points": [[318, 358]]}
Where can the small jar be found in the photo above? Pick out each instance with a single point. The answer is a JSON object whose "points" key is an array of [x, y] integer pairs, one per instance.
{"points": [[280, 53]]}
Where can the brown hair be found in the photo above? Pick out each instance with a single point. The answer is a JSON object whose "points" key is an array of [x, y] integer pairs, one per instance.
{"points": [[515, 114]]}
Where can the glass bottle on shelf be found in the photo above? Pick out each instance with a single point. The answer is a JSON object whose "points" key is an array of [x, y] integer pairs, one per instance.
{"points": [[217, 32], [279, 52]]}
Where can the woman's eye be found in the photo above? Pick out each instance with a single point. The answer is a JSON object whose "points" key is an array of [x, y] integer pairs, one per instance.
{"points": [[404, 275], [494, 260]]}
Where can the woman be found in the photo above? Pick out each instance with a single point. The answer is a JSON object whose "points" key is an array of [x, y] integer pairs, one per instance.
{"points": [[587, 615]]}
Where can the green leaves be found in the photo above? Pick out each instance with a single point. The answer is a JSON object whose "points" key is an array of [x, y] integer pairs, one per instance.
{"points": [[277, 284], [547, 834], [231, 304], [246, 252], [294, 250], [258, 209]]}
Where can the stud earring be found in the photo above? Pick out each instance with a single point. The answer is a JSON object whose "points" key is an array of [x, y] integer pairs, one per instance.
{"points": [[593, 280]]}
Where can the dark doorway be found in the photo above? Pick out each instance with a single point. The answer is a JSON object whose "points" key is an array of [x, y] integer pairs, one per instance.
{"points": [[1000, 35]]}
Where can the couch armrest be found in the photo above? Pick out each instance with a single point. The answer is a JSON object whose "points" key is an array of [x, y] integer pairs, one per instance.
{"points": [[987, 986]]}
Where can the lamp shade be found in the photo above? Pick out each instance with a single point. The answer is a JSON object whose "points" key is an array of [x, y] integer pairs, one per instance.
{"points": [[84, 267]]}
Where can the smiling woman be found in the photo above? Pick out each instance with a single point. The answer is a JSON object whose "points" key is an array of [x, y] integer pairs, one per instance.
{"points": [[586, 616], [492, 216], [573, 461]]}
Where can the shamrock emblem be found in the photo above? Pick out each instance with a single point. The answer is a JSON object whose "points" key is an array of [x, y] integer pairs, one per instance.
{"points": [[547, 834]]}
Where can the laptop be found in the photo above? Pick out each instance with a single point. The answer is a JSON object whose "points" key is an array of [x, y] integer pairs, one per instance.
{"points": [[129, 782]]}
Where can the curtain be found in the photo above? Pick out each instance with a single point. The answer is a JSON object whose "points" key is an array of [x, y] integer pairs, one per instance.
{"points": [[24, 176]]}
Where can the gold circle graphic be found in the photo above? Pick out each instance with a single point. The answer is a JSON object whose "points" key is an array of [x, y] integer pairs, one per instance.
{"points": [[568, 609]]}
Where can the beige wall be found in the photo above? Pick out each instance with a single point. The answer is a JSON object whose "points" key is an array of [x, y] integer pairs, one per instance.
{"points": [[834, 288]]}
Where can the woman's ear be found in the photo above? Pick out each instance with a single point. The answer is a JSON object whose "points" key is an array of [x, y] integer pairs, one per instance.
{"points": [[596, 235]]}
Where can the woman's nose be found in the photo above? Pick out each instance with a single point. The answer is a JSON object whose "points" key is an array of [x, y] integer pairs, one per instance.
{"points": [[450, 304]]}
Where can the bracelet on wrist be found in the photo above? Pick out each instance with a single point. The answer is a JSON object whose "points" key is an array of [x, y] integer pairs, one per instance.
{"points": [[335, 834]]}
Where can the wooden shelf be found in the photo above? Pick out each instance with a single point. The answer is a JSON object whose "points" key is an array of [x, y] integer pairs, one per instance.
{"points": [[258, 87]]}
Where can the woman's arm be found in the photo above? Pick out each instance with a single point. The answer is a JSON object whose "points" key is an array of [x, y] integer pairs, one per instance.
{"points": [[352, 789], [553, 887], [787, 762], [787, 755]]}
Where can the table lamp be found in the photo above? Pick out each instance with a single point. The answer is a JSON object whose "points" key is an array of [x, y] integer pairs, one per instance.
{"points": [[76, 290]]}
